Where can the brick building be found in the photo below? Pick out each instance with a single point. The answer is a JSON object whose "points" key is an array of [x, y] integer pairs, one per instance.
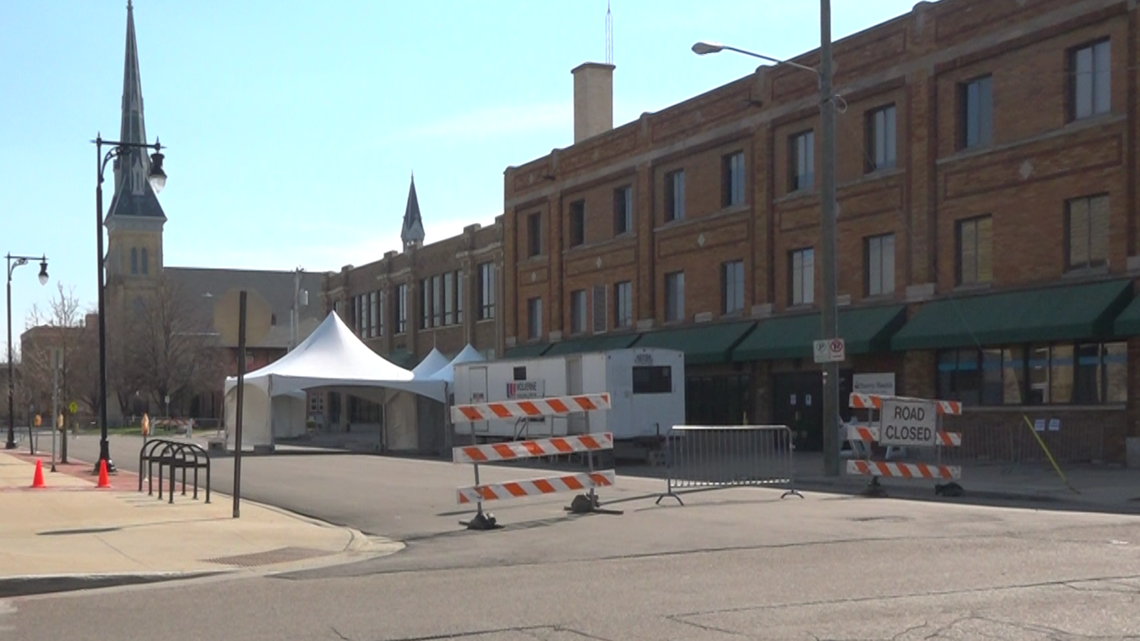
{"points": [[987, 228], [443, 295]]}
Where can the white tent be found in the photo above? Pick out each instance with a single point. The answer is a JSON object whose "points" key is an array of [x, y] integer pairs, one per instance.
{"points": [[331, 357], [447, 373], [429, 365]]}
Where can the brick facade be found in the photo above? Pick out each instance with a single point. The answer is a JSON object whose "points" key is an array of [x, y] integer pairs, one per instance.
{"points": [[1038, 154]]}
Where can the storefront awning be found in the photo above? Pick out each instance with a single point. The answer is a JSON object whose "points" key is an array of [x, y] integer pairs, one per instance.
{"points": [[528, 350], [864, 330], [1070, 312], [601, 343], [709, 343], [1128, 323]]}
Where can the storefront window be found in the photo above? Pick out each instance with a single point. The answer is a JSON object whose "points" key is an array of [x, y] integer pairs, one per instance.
{"points": [[1061, 377], [1115, 357], [1013, 375], [1061, 374]]}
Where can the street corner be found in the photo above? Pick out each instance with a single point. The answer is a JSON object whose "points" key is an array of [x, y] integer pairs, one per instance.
{"points": [[18, 472]]}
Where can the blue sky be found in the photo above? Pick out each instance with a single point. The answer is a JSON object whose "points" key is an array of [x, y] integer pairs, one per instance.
{"points": [[293, 125]]}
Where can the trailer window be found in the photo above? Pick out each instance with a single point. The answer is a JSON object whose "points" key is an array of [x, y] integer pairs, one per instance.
{"points": [[650, 379]]}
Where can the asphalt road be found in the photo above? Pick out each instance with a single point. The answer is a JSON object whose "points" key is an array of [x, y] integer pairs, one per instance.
{"points": [[732, 564]]}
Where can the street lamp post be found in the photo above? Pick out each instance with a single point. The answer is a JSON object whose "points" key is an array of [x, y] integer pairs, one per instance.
{"points": [[13, 263], [830, 316], [157, 180]]}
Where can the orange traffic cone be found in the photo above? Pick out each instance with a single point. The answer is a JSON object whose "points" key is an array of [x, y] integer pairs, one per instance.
{"points": [[104, 481], [38, 478]]}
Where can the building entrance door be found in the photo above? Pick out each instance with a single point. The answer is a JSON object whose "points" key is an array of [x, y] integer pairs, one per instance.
{"points": [[797, 402]]}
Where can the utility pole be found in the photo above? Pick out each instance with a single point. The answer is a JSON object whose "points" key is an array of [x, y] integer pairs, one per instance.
{"points": [[828, 250]]}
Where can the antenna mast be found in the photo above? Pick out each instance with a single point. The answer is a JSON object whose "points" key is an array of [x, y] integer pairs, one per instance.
{"points": [[609, 35]]}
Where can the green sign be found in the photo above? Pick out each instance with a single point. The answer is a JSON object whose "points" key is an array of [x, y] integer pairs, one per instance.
{"points": [[72, 407]]}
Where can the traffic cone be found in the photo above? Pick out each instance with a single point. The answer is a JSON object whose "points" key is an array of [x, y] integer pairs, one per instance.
{"points": [[104, 481], [38, 478]]}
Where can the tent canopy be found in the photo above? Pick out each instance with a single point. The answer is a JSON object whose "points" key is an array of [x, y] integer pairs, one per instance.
{"points": [[447, 373], [430, 364], [332, 356]]}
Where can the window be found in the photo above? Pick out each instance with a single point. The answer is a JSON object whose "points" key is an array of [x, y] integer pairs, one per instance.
{"points": [[376, 303], [486, 291], [134, 260], [1059, 374], [732, 286], [881, 149], [578, 311], [360, 305], [362, 410], [879, 257], [400, 309], [674, 296], [534, 318], [975, 250], [534, 234], [977, 115], [437, 301], [623, 304], [1086, 230], [425, 303], [732, 179], [675, 195], [145, 261], [652, 379], [802, 272], [577, 223], [460, 291], [623, 210], [1090, 76], [599, 307], [316, 403], [449, 298], [802, 161]]}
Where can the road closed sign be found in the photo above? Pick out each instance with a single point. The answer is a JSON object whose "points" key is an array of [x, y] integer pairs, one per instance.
{"points": [[913, 423]]}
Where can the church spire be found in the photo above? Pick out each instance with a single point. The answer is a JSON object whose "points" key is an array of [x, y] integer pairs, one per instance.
{"points": [[133, 193], [413, 232]]}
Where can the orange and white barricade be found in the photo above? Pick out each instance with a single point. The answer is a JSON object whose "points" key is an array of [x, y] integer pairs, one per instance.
{"points": [[589, 443], [902, 422]]}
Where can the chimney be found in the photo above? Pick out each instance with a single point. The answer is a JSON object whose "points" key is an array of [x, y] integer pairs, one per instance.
{"points": [[593, 100]]}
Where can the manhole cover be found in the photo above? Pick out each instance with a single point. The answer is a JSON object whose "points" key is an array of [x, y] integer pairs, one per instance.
{"points": [[280, 555]]}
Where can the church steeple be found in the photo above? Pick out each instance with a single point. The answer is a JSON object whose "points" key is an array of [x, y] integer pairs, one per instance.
{"points": [[133, 194], [413, 232]]}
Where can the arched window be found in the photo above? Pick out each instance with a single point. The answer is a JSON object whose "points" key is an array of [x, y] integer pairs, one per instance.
{"points": [[134, 260], [145, 262]]}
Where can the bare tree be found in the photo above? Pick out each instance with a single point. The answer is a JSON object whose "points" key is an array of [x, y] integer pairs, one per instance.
{"points": [[170, 346], [59, 328]]}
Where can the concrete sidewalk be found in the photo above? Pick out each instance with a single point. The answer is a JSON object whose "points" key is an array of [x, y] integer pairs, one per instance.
{"points": [[71, 535]]}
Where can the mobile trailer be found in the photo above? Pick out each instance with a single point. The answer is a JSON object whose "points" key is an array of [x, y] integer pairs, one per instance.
{"points": [[646, 387]]}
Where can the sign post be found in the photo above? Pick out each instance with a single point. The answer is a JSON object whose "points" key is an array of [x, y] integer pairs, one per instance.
{"points": [[72, 408], [909, 422]]}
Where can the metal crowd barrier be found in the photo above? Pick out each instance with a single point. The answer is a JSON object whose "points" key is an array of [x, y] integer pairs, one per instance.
{"points": [[172, 456], [707, 457]]}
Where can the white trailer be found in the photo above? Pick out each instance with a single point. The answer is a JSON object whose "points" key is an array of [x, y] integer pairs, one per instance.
{"points": [[646, 387]]}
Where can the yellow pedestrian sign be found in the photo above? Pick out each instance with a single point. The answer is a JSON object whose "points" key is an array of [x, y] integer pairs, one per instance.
{"points": [[73, 407]]}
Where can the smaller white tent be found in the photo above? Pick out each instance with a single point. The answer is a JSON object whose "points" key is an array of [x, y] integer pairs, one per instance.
{"points": [[447, 373], [331, 357], [430, 364]]}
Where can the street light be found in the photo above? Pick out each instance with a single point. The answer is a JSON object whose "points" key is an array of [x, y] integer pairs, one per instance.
{"points": [[157, 179], [830, 328], [13, 263]]}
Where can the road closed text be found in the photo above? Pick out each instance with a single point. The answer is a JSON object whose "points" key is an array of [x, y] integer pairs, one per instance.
{"points": [[909, 423]]}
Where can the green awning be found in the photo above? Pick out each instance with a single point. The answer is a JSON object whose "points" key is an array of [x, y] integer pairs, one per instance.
{"points": [[1070, 312], [864, 330], [1128, 323], [709, 343], [600, 343], [527, 350], [402, 357]]}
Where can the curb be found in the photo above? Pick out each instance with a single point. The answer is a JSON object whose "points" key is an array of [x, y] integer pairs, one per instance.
{"points": [[922, 493], [17, 586]]}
